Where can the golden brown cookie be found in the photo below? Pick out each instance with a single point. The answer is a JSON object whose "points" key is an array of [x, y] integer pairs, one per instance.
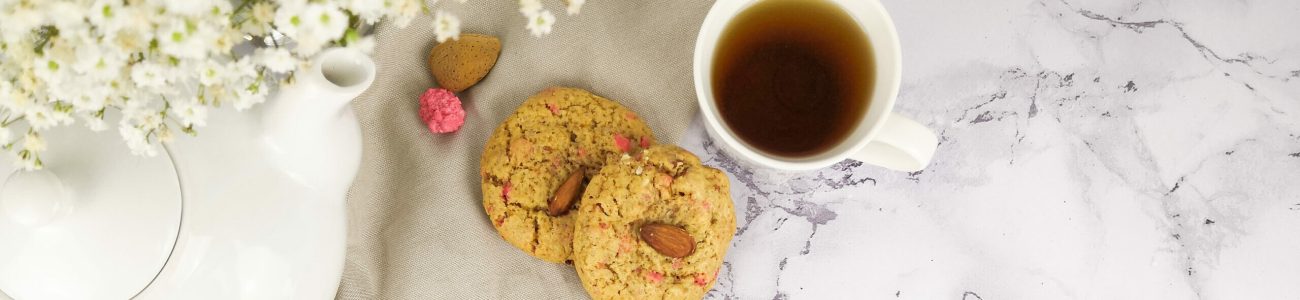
{"points": [[654, 225], [461, 63], [535, 151]]}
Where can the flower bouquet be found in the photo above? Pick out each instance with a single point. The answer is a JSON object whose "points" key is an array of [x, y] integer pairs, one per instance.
{"points": [[154, 68]]}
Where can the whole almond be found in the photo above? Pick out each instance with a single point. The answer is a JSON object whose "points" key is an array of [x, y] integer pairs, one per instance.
{"points": [[669, 240], [565, 195], [461, 63]]}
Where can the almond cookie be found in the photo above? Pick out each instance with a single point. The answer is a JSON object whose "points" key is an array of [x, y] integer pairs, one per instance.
{"points": [[653, 225], [535, 164]]}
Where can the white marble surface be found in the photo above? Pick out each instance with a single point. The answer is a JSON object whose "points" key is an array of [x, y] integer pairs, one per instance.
{"points": [[1089, 150]]}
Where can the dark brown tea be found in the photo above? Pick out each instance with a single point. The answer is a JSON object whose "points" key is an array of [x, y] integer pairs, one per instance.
{"points": [[792, 77]]}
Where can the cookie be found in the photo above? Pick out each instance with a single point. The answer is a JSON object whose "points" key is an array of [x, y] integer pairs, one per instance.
{"points": [[654, 225], [533, 153]]}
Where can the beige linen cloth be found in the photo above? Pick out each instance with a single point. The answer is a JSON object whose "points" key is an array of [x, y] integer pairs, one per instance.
{"points": [[417, 229]]}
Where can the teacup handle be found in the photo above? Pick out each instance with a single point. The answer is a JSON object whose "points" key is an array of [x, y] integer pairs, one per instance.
{"points": [[901, 144]]}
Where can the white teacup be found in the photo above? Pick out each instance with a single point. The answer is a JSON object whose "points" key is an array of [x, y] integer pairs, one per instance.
{"points": [[880, 138]]}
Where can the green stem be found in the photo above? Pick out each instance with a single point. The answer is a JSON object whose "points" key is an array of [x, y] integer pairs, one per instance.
{"points": [[7, 121], [244, 4]]}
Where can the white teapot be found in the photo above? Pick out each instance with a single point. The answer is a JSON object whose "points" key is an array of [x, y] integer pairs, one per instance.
{"points": [[254, 208]]}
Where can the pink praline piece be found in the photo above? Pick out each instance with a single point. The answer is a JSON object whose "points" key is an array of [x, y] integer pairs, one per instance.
{"points": [[441, 110]]}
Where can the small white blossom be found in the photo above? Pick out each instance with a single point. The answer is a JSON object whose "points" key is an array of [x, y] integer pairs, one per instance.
{"points": [[177, 39], [540, 24], [190, 113], [369, 11], [328, 19], [575, 6], [90, 98], [277, 60], [6, 136], [106, 16], [148, 74], [33, 142], [40, 117], [165, 135], [61, 117], [211, 72], [137, 140], [187, 7], [406, 11], [67, 16], [446, 26], [364, 44], [530, 7], [93, 123]]}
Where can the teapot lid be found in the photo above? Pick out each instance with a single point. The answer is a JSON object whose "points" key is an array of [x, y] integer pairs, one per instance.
{"points": [[97, 223]]}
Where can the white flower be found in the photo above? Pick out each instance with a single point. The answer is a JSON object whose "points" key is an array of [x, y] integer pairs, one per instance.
{"points": [[211, 72], [575, 6], [99, 62], [540, 24], [312, 27], [190, 113], [6, 136], [177, 39], [369, 11], [106, 16], [91, 97], [406, 11], [137, 140], [40, 117], [9, 98], [66, 15], [365, 44], [132, 40], [446, 26], [328, 19], [165, 135], [50, 70], [278, 60], [33, 142], [260, 19], [263, 12], [148, 74], [61, 117], [246, 97], [92, 122], [144, 118], [224, 41], [530, 8], [187, 7], [20, 22]]}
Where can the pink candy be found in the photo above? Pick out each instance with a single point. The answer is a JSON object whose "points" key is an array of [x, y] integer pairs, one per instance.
{"points": [[441, 110]]}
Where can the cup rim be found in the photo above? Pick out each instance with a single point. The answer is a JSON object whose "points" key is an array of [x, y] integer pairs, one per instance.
{"points": [[884, 43]]}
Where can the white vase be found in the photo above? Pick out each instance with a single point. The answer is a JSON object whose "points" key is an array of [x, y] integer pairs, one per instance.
{"points": [[310, 129]]}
